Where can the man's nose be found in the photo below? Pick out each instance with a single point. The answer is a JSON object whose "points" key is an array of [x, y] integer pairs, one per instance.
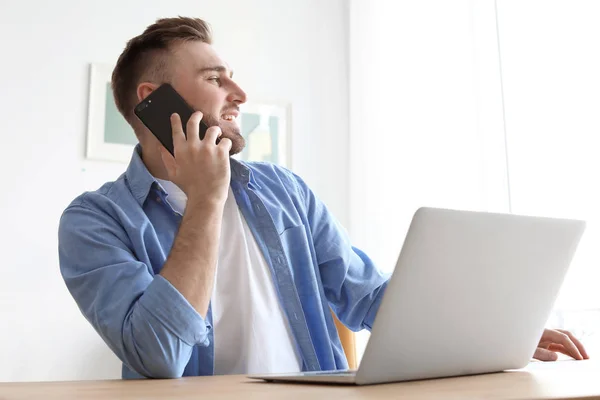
{"points": [[236, 95]]}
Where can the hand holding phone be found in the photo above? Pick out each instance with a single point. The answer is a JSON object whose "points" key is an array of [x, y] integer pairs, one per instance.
{"points": [[192, 157]]}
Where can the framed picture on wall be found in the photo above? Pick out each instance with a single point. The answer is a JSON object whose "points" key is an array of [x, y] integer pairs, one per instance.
{"points": [[109, 136], [266, 126]]}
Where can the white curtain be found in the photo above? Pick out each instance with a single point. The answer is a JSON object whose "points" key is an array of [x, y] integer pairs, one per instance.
{"points": [[476, 105]]}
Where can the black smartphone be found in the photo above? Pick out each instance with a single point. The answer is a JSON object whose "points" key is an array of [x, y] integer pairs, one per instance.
{"points": [[155, 112]]}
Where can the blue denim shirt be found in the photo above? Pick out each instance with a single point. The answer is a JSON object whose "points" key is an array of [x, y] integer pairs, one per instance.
{"points": [[114, 241]]}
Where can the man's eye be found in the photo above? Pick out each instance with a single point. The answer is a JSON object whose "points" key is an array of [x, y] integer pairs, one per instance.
{"points": [[215, 79]]}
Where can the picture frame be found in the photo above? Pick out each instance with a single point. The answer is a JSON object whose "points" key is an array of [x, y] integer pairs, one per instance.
{"points": [[266, 127], [109, 136]]}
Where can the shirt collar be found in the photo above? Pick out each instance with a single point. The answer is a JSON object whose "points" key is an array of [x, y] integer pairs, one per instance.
{"points": [[138, 177], [242, 173], [140, 180]]}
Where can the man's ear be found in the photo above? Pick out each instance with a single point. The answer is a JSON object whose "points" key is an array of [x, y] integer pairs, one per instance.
{"points": [[144, 89]]}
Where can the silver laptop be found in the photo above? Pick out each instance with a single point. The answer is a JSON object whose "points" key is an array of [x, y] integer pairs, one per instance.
{"points": [[471, 293]]}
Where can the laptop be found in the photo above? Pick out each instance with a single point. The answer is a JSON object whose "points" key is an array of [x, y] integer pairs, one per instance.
{"points": [[470, 294]]}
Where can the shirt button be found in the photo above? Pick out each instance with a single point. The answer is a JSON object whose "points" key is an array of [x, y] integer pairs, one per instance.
{"points": [[158, 200]]}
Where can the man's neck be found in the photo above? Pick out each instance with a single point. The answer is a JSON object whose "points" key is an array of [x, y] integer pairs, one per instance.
{"points": [[153, 161]]}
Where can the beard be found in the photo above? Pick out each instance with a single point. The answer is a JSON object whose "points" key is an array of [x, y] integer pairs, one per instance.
{"points": [[230, 131]]}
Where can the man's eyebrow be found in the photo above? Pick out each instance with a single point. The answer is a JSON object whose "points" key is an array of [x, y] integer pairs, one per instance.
{"points": [[215, 68]]}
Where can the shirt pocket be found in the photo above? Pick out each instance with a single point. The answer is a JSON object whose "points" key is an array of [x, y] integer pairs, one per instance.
{"points": [[295, 243], [299, 253]]}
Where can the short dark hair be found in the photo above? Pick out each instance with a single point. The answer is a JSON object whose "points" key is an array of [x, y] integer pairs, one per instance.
{"points": [[146, 57]]}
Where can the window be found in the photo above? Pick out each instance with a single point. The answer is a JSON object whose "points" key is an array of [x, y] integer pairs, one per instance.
{"points": [[450, 109]]}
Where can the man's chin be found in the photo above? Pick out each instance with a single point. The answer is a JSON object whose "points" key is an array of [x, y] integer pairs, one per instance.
{"points": [[232, 132], [237, 142]]}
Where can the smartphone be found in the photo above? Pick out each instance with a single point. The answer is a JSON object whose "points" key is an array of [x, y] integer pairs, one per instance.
{"points": [[155, 112]]}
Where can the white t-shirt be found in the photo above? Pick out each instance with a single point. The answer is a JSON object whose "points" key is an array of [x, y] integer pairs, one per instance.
{"points": [[251, 333]]}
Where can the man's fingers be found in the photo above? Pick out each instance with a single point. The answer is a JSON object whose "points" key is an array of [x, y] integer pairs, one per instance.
{"points": [[577, 343], [193, 128], [225, 144], [561, 338], [212, 134], [178, 135], [558, 348], [545, 355]]}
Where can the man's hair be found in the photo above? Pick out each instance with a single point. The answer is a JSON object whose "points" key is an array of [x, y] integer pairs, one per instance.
{"points": [[146, 57]]}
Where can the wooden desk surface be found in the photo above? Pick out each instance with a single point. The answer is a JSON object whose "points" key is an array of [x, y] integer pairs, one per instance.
{"points": [[559, 380]]}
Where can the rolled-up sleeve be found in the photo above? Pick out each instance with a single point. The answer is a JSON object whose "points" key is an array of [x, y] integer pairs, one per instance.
{"points": [[144, 319]]}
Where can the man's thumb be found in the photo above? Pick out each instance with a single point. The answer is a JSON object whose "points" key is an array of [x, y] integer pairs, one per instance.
{"points": [[545, 355]]}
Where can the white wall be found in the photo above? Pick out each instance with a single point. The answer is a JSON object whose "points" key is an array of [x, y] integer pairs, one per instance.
{"points": [[289, 50]]}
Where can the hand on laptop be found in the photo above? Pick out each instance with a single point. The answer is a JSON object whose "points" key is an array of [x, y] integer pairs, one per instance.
{"points": [[555, 341]]}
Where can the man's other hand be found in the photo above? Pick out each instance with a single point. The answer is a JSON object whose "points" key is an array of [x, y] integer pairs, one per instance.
{"points": [[556, 341]]}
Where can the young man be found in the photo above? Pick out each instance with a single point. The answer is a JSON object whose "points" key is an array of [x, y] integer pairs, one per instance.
{"points": [[199, 264]]}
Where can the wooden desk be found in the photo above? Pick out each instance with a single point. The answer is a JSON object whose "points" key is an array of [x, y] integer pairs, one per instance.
{"points": [[559, 380]]}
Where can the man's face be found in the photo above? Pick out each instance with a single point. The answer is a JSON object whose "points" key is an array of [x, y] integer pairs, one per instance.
{"points": [[205, 82]]}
